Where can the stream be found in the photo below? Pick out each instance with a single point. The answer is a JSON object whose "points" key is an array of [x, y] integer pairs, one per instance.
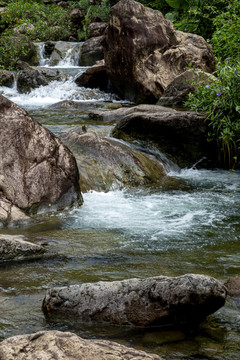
{"points": [[126, 233]]}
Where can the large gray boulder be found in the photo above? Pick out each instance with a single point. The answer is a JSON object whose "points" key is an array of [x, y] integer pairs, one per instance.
{"points": [[144, 53], [17, 247], [180, 135], [36, 169], [153, 301], [49, 345]]}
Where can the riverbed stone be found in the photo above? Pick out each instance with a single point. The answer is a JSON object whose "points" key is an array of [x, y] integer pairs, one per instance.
{"points": [[233, 286], [121, 113], [49, 345], [161, 300], [105, 163], [180, 135], [94, 77], [17, 247], [144, 53], [31, 78], [36, 169], [6, 78]]}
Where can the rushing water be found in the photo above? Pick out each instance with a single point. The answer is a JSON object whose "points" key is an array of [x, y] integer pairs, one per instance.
{"points": [[191, 227]]}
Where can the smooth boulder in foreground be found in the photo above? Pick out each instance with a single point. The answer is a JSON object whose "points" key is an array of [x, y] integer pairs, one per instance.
{"points": [[49, 345], [158, 300], [36, 169]]}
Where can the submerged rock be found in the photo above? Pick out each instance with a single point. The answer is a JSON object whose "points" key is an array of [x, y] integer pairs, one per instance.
{"points": [[16, 247], [233, 286], [36, 169], [144, 53], [105, 163], [159, 300], [48, 345]]}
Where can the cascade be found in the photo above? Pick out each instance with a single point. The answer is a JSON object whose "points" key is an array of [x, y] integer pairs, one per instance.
{"points": [[70, 59]]}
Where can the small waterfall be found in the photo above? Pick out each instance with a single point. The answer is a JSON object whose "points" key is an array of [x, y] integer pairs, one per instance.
{"points": [[43, 60], [70, 58]]}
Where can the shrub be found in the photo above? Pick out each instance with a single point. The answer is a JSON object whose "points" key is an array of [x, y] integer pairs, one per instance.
{"points": [[226, 38], [14, 48], [198, 17], [94, 11], [50, 22], [221, 101]]}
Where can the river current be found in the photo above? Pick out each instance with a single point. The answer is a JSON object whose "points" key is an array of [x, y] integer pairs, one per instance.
{"points": [[191, 225]]}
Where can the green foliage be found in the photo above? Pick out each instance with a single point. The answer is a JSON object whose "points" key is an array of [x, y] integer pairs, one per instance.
{"points": [[101, 11], [84, 4], [221, 101], [178, 4], [198, 17], [11, 50], [94, 11], [159, 5], [226, 38], [50, 22]]}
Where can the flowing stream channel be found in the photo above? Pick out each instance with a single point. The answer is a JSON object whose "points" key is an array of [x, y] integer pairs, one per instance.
{"points": [[126, 233]]}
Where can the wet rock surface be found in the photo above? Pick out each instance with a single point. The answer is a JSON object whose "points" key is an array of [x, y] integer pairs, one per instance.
{"points": [[6, 78], [31, 78], [105, 163], [17, 247], [233, 286], [94, 77], [153, 301], [36, 169], [48, 345], [92, 51], [180, 135]]}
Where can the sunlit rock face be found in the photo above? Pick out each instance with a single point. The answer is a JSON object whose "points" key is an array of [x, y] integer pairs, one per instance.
{"points": [[36, 169], [47, 345], [144, 53]]}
